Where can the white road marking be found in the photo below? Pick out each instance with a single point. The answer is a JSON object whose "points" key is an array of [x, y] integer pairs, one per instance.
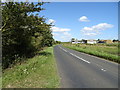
{"points": [[82, 58], [103, 70], [98, 58], [64, 50], [76, 56], [72, 54], [60, 47]]}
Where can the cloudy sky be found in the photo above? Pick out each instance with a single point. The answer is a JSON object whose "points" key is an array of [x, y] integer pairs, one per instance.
{"points": [[88, 20]]}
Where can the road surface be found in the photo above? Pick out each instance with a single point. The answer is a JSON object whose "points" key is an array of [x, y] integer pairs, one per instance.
{"points": [[79, 70]]}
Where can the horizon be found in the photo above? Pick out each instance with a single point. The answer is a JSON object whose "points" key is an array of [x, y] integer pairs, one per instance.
{"points": [[91, 39]]}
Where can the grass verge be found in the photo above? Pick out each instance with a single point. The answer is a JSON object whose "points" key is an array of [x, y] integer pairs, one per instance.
{"points": [[96, 51], [37, 72]]}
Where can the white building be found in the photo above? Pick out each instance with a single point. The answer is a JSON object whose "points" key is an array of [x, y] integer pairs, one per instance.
{"points": [[91, 41], [75, 41]]}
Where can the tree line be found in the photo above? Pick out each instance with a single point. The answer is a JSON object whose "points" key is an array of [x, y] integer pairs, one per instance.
{"points": [[24, 32]]}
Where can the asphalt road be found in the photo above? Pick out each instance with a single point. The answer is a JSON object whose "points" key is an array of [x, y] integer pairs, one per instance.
{"points": [[79, 70]]}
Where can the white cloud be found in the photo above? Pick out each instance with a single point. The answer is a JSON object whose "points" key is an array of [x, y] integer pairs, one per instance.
{"points": [[66, 36], [101, 26], [96, 29], [57, 29], [90, 34], [60, 34], [84, 19], [55, 34], [51, 21]]}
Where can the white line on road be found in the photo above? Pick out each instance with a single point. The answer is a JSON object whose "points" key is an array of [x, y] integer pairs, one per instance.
{"points": [[98, 58], [60, 47], [64, 50], [72, 54], [76, 56], [82, 59], [103, 70]]}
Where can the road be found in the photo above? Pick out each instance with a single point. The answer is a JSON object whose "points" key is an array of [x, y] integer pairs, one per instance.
{"points": [[79, 70]]}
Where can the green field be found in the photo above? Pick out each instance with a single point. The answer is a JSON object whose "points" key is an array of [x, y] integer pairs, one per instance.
{"points": [[107, 51], [37, 72]]}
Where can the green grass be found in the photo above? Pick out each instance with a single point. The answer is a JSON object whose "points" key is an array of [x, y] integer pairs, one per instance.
{"points": [[37, 72], [0, 82], [103, 51], [0, 76]]}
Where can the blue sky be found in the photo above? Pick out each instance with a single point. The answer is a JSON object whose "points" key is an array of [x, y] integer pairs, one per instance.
{"points": [[82, 20]]}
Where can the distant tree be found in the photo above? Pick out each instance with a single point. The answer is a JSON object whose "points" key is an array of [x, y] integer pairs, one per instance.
{"points": [[98, 40], [115, 40], [58, 42], [73, 39]]}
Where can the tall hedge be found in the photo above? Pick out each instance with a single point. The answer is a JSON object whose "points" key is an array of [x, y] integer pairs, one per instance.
{"points": [[24, 32]]}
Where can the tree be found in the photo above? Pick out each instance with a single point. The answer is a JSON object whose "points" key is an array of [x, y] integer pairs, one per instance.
{"points": [[58, 42], [73, 39], [23, 32], [115, 40]]}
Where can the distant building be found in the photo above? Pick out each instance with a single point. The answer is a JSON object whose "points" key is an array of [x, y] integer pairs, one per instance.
{"points": [[75, 41], [91, 41], [105, 41], [83, 41], [109, 41], [101, 41]]}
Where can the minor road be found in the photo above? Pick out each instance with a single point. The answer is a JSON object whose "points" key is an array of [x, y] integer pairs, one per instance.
{"points": [[79, 70]]}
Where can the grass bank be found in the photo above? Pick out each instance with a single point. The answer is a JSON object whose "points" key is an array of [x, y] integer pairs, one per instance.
{"points": [[107, 52], [37, 72]]}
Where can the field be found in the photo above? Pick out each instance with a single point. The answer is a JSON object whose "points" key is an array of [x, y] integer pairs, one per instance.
{"points": [[107, 51], [37, 72]]}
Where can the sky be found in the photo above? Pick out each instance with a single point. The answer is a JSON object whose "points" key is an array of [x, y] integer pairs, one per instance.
{"points": [[82, 20], [61, 0]]}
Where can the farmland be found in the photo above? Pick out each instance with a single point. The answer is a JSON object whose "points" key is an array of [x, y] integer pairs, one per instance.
{"points": [[107, 51]]}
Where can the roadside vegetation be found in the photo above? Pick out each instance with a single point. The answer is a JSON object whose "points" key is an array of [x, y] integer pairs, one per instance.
{"points": [[107, 51], [24, 32], [27, 52], [37, 72]]}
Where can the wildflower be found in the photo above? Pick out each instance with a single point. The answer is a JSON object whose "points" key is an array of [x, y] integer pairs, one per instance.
{"points": [[25, 70]]}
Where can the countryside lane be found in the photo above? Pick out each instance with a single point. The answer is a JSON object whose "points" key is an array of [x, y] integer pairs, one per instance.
{"points": [[79, 70]]}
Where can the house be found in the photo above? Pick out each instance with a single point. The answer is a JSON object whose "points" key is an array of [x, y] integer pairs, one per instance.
{"points": [[101, 41], [83, 41], [91, 41], [75, 41], [105, 41], [108, 41]]}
